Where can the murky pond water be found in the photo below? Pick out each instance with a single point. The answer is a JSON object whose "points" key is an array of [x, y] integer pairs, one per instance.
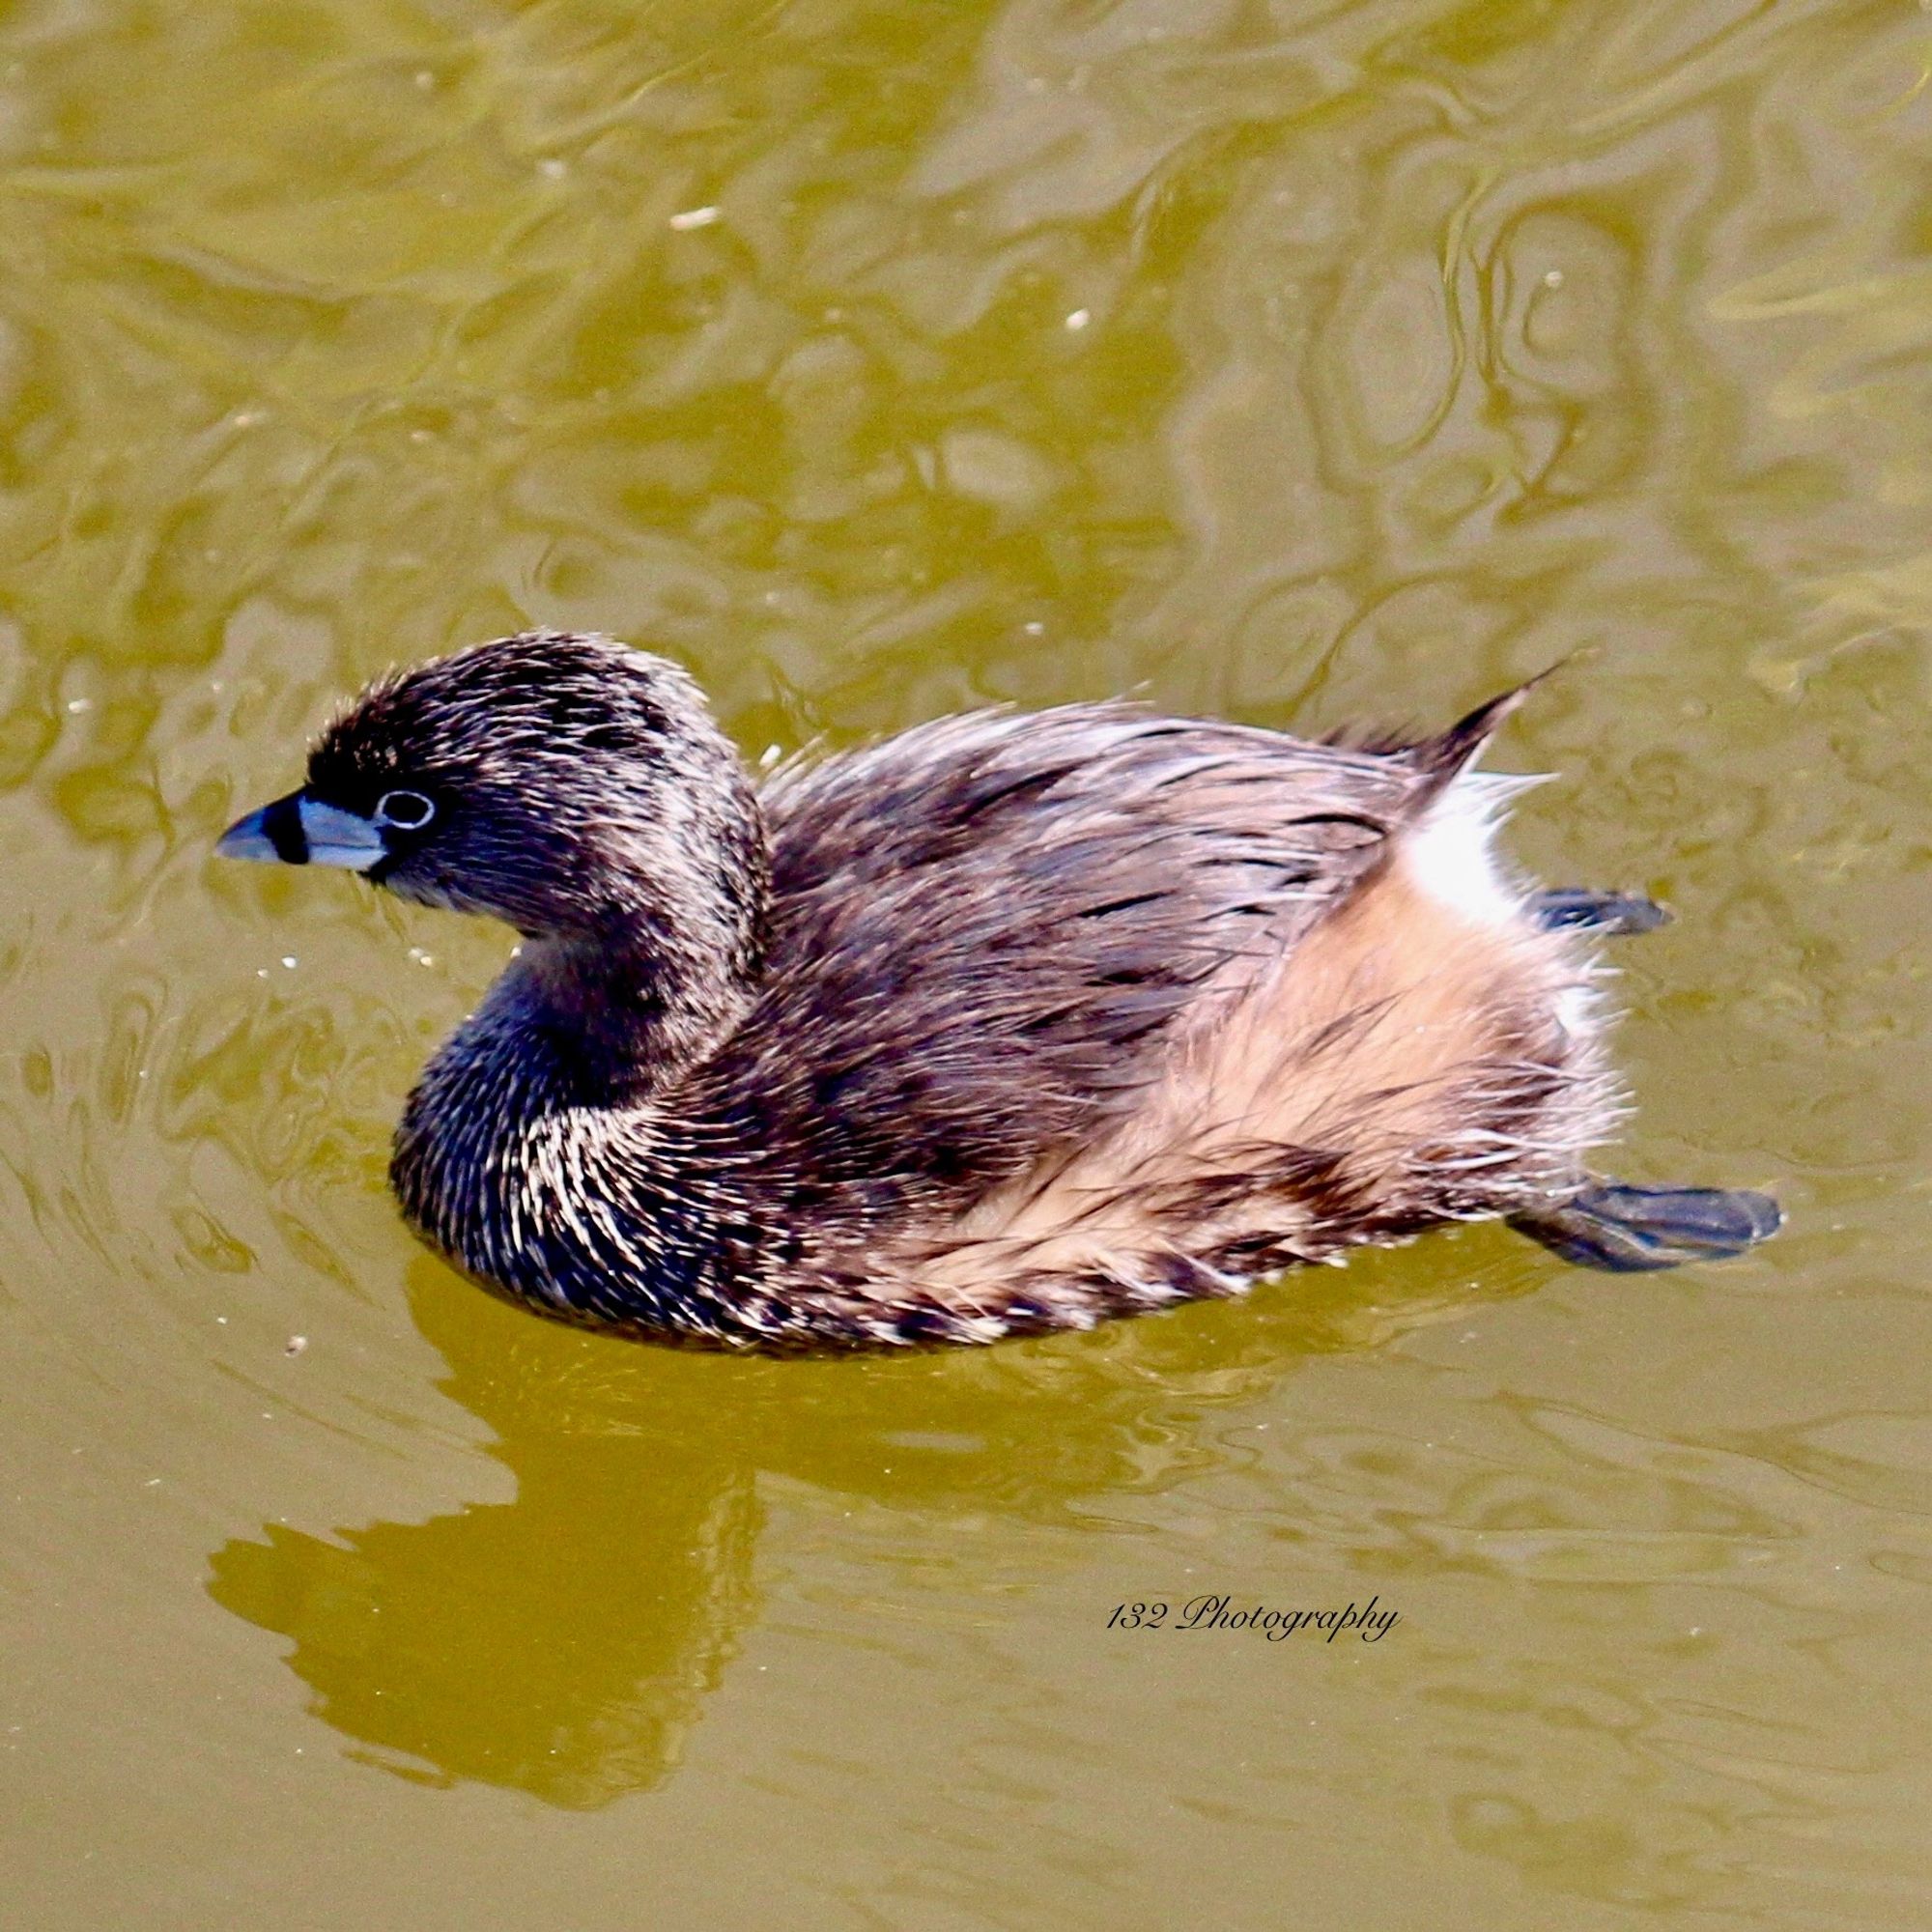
{"points": [[1283, 360]]}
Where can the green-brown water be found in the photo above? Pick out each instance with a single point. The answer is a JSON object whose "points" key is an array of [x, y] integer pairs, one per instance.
{"points": [[1285, 361]]}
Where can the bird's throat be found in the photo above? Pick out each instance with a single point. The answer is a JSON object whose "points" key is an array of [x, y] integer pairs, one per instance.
{"points": [[628, 1019]]}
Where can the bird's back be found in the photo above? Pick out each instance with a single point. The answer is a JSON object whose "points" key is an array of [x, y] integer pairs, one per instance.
{"points": [[988, 933]]}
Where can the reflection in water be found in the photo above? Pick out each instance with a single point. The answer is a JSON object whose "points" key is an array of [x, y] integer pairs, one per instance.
{"points": [[560, 1646], [563, 1643]]}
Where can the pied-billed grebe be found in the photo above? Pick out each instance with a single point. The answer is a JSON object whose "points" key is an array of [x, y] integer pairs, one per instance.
{"points": [[1010, 1023]]}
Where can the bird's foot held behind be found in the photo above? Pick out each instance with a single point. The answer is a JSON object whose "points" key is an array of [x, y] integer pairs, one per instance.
{"points": [[1580, 909], [1632, 1229]]}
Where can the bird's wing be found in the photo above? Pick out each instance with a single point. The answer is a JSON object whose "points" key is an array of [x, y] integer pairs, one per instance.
{"points": [[985, 929]]}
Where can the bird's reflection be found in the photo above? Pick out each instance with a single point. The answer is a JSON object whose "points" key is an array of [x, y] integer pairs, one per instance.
{"points": [[563, 1643], [559, 1644]]}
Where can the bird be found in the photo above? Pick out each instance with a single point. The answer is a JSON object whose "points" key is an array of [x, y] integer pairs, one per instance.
{"points": [[1010, 1023]]}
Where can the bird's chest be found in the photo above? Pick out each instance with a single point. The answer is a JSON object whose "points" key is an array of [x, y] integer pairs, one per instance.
{"points": [[582, 1210]]}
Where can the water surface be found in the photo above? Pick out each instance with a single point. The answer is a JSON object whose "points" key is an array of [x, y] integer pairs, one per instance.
{"points": [[1287, 361]]}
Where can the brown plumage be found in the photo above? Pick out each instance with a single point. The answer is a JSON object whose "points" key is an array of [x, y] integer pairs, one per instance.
{"points": [[1010, 1023]]}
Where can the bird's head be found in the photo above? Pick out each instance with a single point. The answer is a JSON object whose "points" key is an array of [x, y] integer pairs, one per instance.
{"points": [[571, 787]]}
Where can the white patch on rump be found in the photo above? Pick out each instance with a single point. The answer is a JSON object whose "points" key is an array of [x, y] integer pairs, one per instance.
{"points": [[1452, 854]]}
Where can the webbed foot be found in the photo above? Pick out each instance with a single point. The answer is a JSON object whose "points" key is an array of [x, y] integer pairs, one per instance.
{"points": [[1579, 909], [1629, 1230]]}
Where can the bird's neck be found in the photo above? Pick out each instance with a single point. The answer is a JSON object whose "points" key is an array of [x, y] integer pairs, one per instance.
{"points": [[662, 954], [627, 1012]]}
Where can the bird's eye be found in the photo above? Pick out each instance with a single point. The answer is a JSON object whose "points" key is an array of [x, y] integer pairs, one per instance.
{"points": [[406, 810]]}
